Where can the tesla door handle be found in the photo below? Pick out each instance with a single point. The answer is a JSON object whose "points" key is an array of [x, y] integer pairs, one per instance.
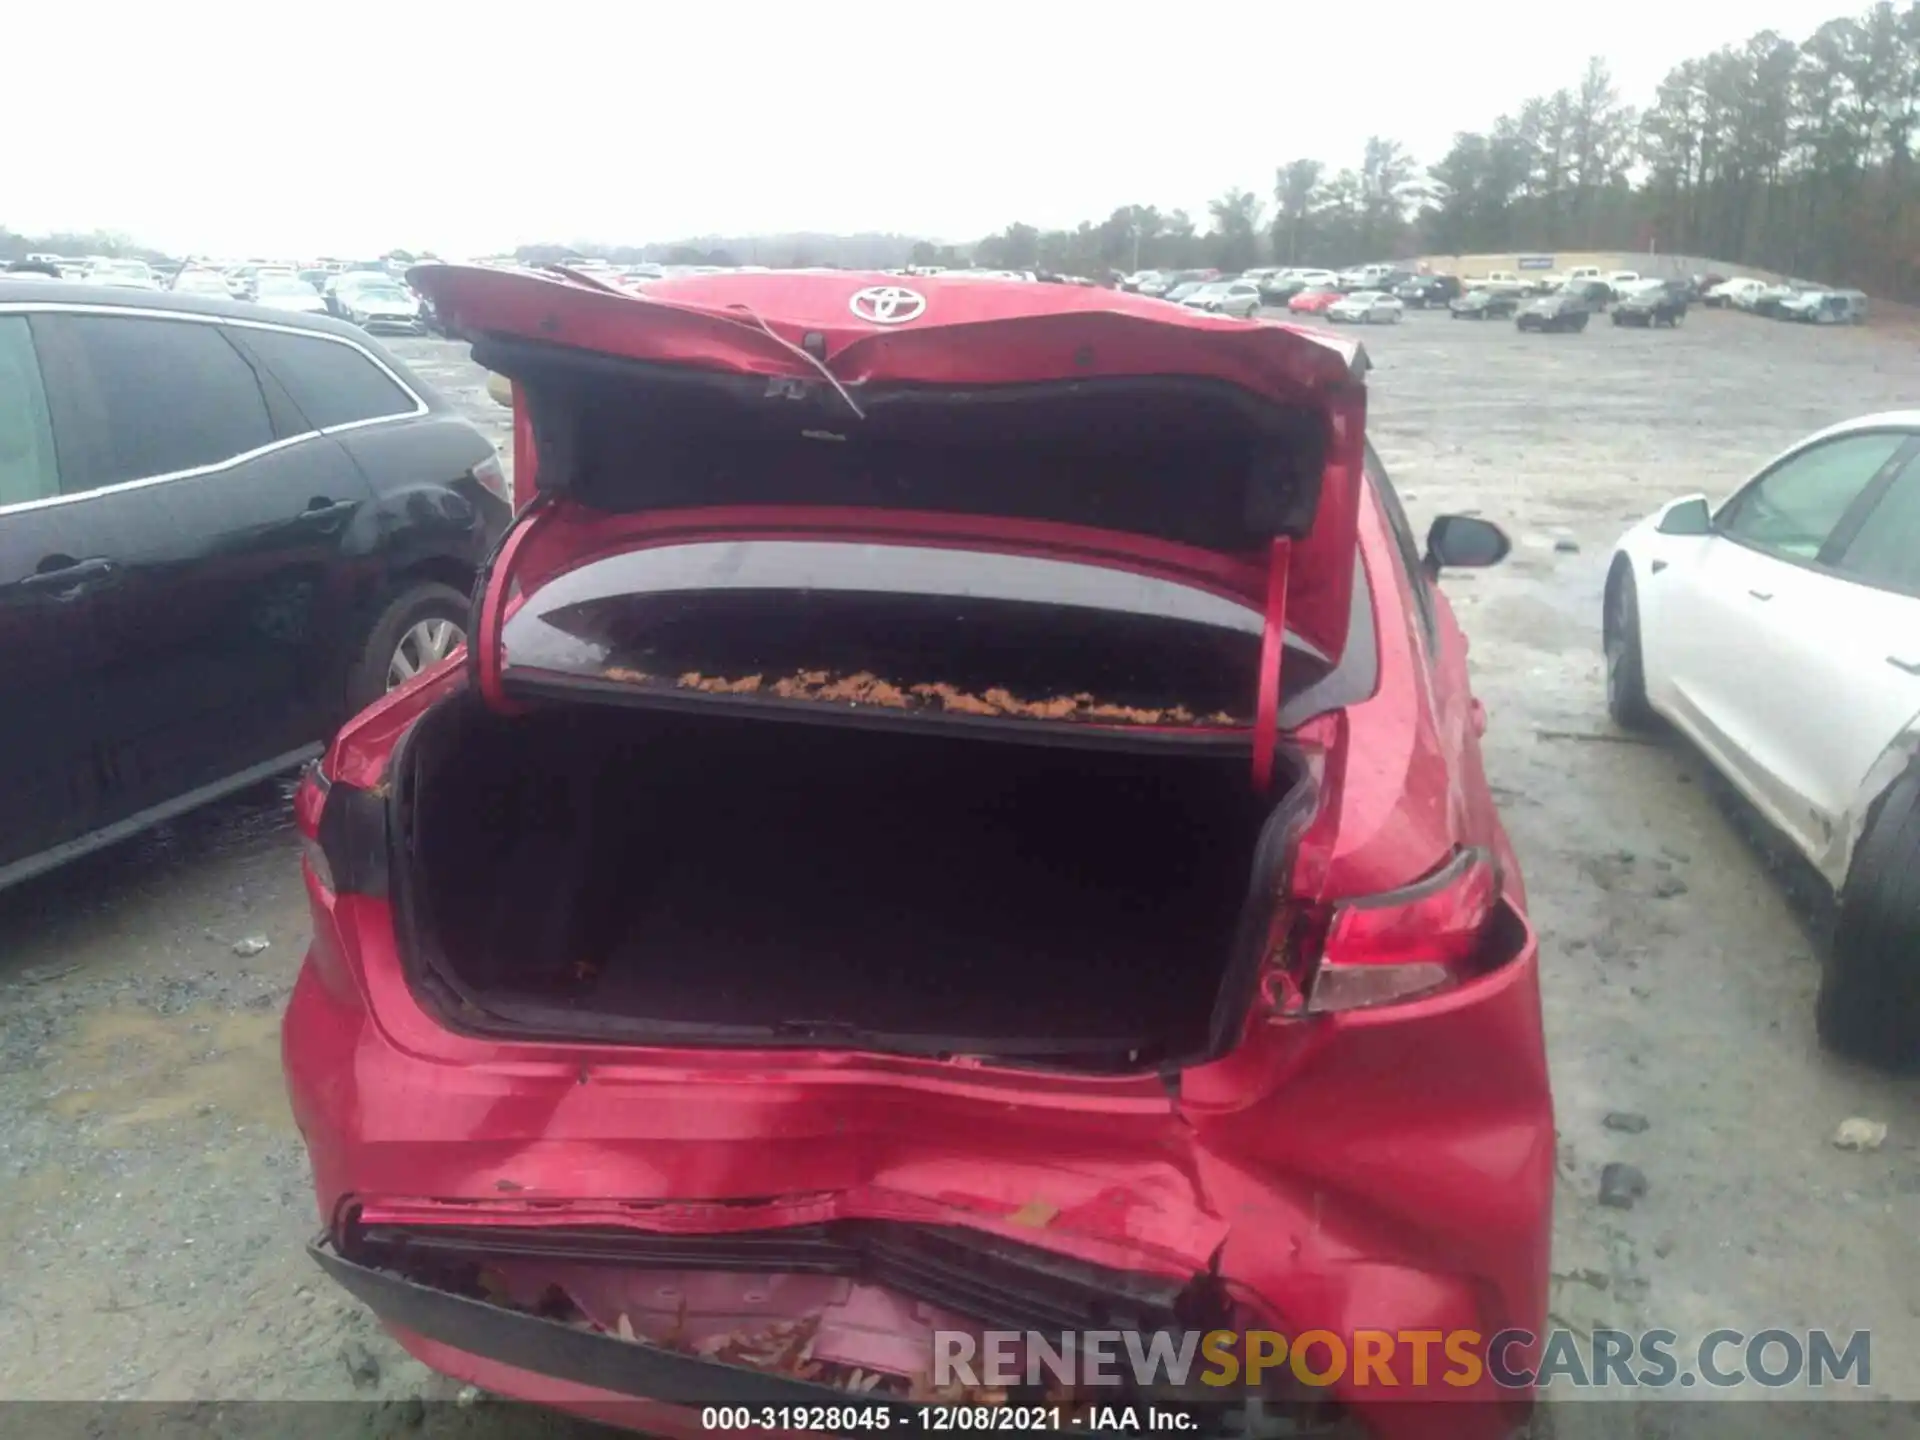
{"points": [[1761, 594], [1901, 662], [69, 579]]}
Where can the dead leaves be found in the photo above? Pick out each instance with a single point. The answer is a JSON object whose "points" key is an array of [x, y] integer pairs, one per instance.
{"points": [[715, 685], [863, 687], [779, 1347]]}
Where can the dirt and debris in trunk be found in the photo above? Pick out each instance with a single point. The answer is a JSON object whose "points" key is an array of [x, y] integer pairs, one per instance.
{"points": [[865, 688]]}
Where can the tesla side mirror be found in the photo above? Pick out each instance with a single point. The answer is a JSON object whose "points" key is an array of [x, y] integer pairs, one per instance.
{"points": [[1686, 517], [1464, 542]]}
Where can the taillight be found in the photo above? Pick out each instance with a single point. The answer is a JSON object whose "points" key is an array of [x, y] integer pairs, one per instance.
{"points": [[492, 476], [1400, 945], [323, 953]]}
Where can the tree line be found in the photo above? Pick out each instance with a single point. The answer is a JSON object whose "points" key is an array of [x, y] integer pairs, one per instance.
{"points": [[1783, 155]]}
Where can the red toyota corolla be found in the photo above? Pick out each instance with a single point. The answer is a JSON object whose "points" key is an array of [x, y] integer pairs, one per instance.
{"points": [[962, 812]]}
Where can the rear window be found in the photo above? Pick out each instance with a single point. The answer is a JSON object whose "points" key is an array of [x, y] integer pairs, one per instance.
{"points": [[901, 628], [331, 383]]}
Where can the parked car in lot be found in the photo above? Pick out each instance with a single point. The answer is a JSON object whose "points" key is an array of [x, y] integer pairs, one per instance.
{"points": [[339, 286], [1826, 307], [1576, 273], [1367, 307], [1365, 277], [383, 307], [1561, 310], [1279, 288], [1808, 578], [1227, 297], [1315, 299], [1737, 293], [1423, 291], [126, 274], [1596, 295], [1654, 302], [246, 280], [1484, 305], [609, 923], [1500, 282], [1167, 282], [287, 292], [1774, 301], [195, 280], [222, 529]]}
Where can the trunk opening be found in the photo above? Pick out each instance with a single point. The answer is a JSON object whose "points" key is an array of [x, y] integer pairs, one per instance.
{"points": [[595, 872]]}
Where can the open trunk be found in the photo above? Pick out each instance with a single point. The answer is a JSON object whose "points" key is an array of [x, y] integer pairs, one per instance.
{"points": [[651, 876]]}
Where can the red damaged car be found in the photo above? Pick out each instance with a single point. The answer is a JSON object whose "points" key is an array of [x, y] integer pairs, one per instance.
{"points": [[962, 811]]}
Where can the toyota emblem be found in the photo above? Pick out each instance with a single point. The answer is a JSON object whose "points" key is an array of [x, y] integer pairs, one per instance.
{"points": [[888, 304]]}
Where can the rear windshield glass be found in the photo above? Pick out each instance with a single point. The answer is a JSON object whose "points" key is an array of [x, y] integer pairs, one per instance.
{"points": [[902, 627]]}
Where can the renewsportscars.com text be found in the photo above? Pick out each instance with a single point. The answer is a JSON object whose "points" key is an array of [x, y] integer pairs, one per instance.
{"points": [[1566, 1360]]}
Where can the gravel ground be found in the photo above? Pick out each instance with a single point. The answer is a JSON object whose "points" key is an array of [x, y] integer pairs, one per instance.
{"points": [[157, 1197]]}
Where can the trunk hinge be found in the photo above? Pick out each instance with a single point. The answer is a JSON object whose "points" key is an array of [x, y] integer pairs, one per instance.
{"points": [[1266, 708], [492, 593]]}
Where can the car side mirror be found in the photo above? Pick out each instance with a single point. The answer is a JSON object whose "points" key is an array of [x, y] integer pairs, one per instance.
{"points": [[1464, 542], [1686, 517]]}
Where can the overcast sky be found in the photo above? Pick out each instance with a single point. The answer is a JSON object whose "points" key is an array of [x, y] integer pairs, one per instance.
{"points": [[347, 127]]}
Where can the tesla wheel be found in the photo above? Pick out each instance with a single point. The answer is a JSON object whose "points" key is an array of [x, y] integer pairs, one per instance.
{"points": [[419, 627], [1869, 1003], [1620, 632]]}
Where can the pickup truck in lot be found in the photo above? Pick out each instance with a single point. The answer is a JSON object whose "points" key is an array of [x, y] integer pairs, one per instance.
{"points": [[1500, 282]]}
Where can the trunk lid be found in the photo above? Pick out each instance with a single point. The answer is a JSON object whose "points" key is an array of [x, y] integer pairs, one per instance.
{"points": [[1138, 434]]}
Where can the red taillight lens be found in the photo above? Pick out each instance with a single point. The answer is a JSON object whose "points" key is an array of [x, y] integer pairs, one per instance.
{"points": [[310, 799], [492, 476], [323, 954], [1407, 943]]}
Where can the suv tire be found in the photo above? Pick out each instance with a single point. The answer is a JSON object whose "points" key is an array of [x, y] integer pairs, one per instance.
{"points": [[413, 617]]}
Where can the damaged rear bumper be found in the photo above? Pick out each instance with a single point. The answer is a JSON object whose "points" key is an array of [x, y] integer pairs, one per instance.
{"points": [[526, 1337], [1390, 1172]]}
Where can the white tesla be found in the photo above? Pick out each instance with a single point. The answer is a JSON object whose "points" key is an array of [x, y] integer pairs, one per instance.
{"points": [[1781, 634]]}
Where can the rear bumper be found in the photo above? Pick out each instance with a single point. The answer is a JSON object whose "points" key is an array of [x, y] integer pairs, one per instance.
{"points": [[661, 1391], [1384, 1172]]}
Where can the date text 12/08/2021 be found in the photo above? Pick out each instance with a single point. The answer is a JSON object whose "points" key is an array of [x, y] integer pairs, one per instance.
{"points": [[939, 1419]]}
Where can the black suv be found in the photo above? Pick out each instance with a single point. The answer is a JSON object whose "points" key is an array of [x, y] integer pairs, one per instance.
{"points": [[1661, 302], [222, 530], [1421, 291]]}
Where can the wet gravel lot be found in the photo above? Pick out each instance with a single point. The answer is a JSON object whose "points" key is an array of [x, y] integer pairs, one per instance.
{"points": [[156, 1197]]}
